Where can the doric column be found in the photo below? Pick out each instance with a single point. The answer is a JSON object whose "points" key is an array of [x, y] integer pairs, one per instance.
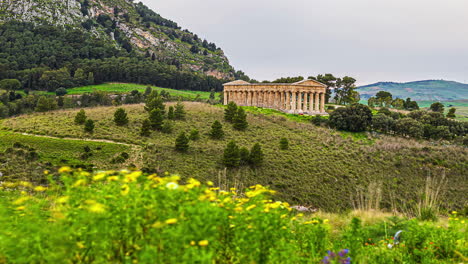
{"points": [[255, 100], [301, 101], [322, 103], [225, 97], [278, 99], [316, 108], [249, 98], [280, 102], [311, 102], [288, 101], [294, 101]]}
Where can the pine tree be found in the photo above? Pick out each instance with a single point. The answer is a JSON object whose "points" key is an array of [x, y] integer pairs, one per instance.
{"points": [[179, 112], [170, 113], [182, 143], [244, 154], [148, 91], [256, 155], [89, 126], [42, 105], [145, 128], [231, 157], [167, 127], [60, 101], [212, 95], [154, 101], [240, 120], [120, 117], [284, 144], [156, 118], [80, 117], [194, 135], [216, 130], [230, 112]]}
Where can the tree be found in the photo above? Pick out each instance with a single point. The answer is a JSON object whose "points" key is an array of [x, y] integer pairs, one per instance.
{"points": [[182, 143], [194, 135], [437, 107], [216, 131], [145, 128], [179, 111], [61, 91], [194, 49], [170, 113], [167, 127], [345, 91], [230, 112], [90, 78], [256, 155], [89, 126], [398, 103], [354, 118], [409, 127], [384, 98], [383, 123], [451, 112], [148, 91], [231, 156], [411, 105], [156, 118], [60, 101], [244, 155], [284, 144], [154, 101], [329, 80], [120, 117], [212, 94], [80, 117], [45, 104], [240, 120], [10, 84]]}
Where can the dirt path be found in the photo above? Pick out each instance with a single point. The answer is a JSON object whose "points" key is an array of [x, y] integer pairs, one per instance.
{"points": [[81, 139]]}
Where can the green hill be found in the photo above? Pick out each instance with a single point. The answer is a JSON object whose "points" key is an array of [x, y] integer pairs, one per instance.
{"points": [[322, 168], [430, 90]]}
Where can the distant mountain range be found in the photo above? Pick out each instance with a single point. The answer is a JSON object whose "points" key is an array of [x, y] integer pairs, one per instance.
{"points": [[429, 90]]}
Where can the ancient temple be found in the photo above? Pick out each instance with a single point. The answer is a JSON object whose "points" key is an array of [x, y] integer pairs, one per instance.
{"points": [[306, 97]]}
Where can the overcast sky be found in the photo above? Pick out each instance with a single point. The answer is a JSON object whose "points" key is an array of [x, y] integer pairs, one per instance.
{"points": [[370, 40]]}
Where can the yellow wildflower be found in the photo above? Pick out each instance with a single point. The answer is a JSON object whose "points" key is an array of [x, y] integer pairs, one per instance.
{"points": [[20, 208], [157, 225], [203, 243], [95, 207], [209, 183], [80, 244], [125, 189], [63, 199], [283, 216], [132, 177], [112, 178], [172, 185], [325, 221], [99, 176], [171, 221], [79, 182], [232, 189], [21, 200], [25, 184], [238, 209], [40, 188], [193, 243], [454, 212], [64, 169], [250, 207], [46, 172]]}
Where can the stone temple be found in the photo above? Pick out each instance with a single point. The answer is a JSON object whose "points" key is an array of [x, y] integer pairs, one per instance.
{"points": [[304, 97]]}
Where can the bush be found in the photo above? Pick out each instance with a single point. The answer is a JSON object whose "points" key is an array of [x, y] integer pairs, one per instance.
{"points": [[409, 127], [179, 111], [120, 117], [89, 126], [437, 107], [256, 155], [284, 144], [182, 143], [61, 91], [354, 118], [80, 117], [170, 113], [383, 123], [156, 118], [231, 156], [240, 120], [167, 127], [451, 112], [145, 128], [194, 135], [244, 155], [230, 112]]}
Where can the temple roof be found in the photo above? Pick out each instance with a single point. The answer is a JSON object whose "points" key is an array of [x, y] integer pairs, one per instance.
{"points": [[300, 83]]}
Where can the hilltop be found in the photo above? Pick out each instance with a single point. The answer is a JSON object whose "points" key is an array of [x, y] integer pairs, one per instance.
{"points": [[428, 90]]}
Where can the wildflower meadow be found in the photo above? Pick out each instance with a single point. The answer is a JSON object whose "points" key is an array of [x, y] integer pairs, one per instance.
{"points": [[131, 217]]}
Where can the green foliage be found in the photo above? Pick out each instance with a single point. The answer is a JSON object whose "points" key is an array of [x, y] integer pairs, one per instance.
{"points": [[61, 91], [409, 127], [170, 113], [231, 156], [145, 130], [194, 134], [179, 112], [451, 112], [256, 155], [80, 117], [244, 155], [120, 117], [156, 117], [10, 84], [89, 126], [167, 127], [155, 101], [284, 144], [239, 122], [230, 112], [182, 143], [45, 104], [437, 107], [216, 131], [383, 123], [354, 118]]}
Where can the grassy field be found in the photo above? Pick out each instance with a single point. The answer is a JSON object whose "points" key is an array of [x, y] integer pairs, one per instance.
{"points": [[130, 217], [322, 168]]}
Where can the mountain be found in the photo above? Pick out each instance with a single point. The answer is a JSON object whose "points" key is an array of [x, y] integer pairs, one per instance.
{"points": [[129, 26], [429, 90]]}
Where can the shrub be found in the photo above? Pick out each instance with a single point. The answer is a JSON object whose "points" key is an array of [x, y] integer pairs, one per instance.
{"points": [[437, 107], [145, 128], [451, 112], [182, 143], [61, 91], [230, 112], [89, 126], [354, 118], [231, 156], [154, 101], [170, 113], [216, 131], [194, 135], [256, 155], [284, 144], [383, 123], [240, 120], [156, 118], [120, 117], [167, 127], [80, 117], [244, 155], [385, 111], [409, 127], [179, 111]]}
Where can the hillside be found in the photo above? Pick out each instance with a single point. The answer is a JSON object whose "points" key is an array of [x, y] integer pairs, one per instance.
{"points": [[128, 25], [430, 90], [322, 168]]}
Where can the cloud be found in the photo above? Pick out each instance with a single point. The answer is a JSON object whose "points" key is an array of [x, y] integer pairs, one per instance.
{"points": [[372, 40]]}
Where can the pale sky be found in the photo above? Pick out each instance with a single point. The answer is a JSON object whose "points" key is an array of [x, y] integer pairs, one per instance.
{"points": [[370, 40]]}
